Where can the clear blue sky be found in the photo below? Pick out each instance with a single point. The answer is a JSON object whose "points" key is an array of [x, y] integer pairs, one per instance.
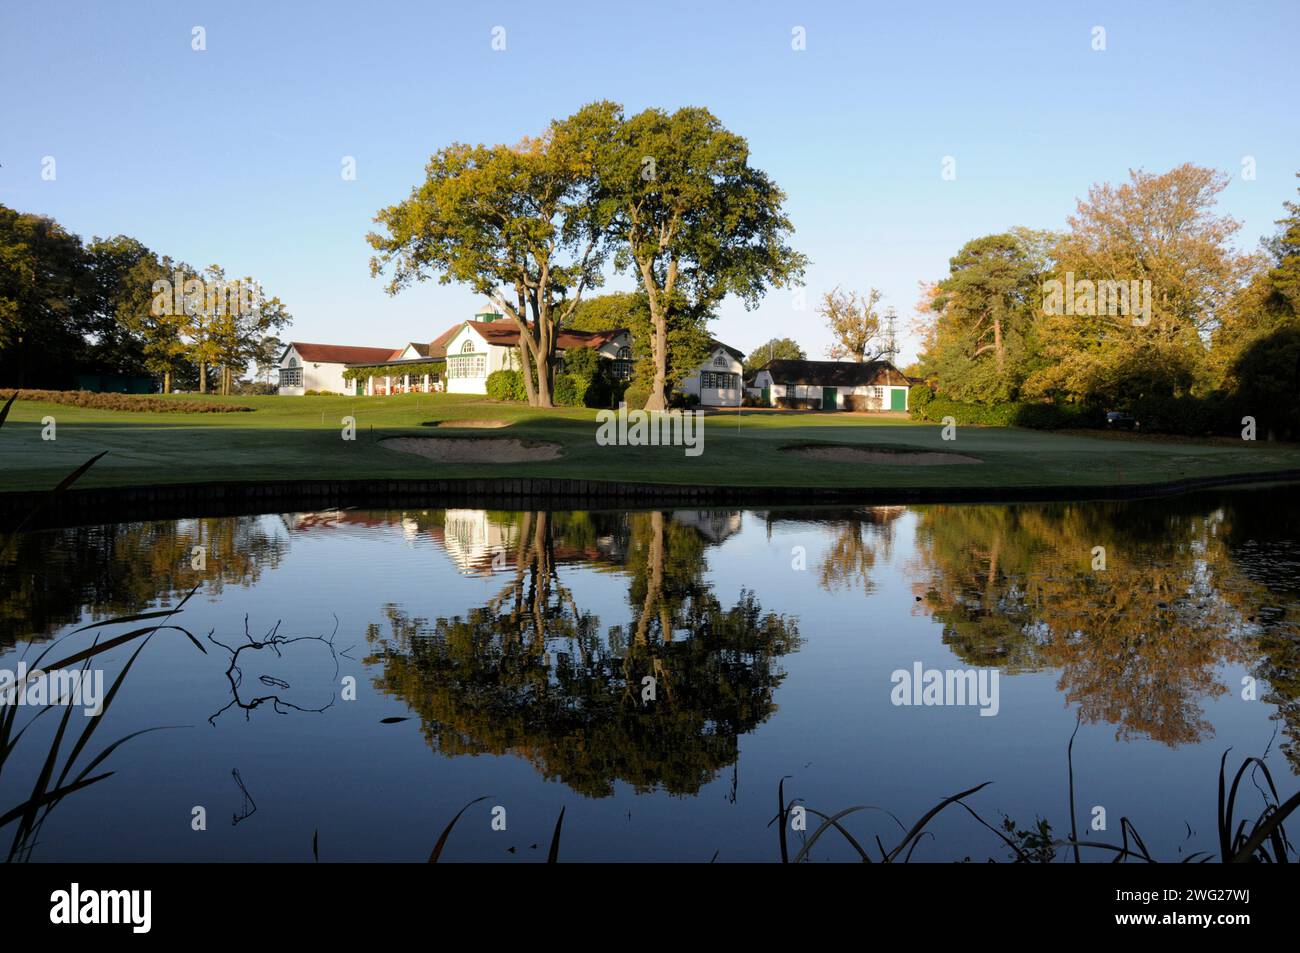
{"points": [[233, 155]]}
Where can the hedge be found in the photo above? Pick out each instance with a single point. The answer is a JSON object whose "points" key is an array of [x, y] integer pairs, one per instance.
{"points": [[1184, 416], [132, 403], [924, 405]]}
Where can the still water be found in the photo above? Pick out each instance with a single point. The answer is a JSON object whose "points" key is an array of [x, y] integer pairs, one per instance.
{"points": [[656, 674]]}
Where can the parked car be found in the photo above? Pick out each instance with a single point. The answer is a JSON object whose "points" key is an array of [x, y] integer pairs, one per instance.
{"points": [[1121, 420]]}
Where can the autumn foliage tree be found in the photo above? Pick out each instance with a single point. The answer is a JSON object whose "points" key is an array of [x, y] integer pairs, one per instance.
{"points": [[1158, 228], [518, 224], [695, 222], [854, 323]]}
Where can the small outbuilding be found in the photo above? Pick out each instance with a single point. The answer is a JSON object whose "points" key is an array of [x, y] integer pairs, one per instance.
{"points": [[717, 381], [833, 385]]}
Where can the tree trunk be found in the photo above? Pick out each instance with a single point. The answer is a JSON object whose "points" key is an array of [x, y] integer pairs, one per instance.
{"points": [[658, 299], [203, 377], [167, 381], [997, 343], [526, 370], [658, 399]]}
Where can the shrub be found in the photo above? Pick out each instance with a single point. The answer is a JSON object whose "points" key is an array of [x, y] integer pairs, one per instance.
{"points": [[568, 391], [1185, 416], [1057, 416], [582, 363], [799, 403], [506, 385], [918, 395], [682, 401], [131, 403], [597, 394], [635, 396]]}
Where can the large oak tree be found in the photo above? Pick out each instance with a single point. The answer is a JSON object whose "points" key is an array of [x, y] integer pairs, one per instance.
{"points": [[694, 221], [519, 224]]}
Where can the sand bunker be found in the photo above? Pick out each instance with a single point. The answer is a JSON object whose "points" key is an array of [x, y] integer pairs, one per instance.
{"points": [[904, 458], [475, 449], [467, 424]]}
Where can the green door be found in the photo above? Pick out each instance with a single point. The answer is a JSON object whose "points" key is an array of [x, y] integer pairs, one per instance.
{"points": [[828, 398], [767, 397], [897, 398], [361, 387]]}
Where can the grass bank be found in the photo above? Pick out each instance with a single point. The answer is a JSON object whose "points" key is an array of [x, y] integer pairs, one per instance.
{"points": [[299, 438]]}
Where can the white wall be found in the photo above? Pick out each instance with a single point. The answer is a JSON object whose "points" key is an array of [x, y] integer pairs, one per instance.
{"points": [[477, 384], [812, 391], [315, 376], [716, 396]]}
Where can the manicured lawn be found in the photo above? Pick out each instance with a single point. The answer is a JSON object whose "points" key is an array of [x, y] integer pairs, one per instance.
{"points": [[299, 437]]}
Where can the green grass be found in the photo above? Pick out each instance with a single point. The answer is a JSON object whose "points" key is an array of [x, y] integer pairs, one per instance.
{"points": [[299, 437]]}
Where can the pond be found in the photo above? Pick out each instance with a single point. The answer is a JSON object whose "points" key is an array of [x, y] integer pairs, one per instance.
{"points": [[657, 674]]}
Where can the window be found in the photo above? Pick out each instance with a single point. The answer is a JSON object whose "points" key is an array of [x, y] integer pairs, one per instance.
{"points": [[878, 393], [720, 360], [467, 347], [467, 365], [293, 361], [622, 365], [291, 376], [712, 379]]}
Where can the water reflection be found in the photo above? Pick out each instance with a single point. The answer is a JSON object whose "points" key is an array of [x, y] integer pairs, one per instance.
{"points": [[53, 579], [1190, 586], [1137, 644], [532, 674]]}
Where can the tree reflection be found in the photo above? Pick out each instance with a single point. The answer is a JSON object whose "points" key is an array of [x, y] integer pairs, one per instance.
{"points": [[55, 578], [1138, 644], [859, 539], [532, 674]]}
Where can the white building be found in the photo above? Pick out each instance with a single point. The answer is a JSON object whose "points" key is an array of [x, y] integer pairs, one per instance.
{"points": [[833, 385], [319, 367], [487, 344], [719, 380]]}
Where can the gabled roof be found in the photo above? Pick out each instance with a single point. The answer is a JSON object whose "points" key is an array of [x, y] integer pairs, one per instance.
{"points": [[836, 373], [340, 353], [420, 349], [714, 344], [506, 334], [438, 347]]}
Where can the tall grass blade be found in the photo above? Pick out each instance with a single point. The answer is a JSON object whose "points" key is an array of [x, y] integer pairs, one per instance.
{"points": [[553, 855], [920, 825], [437, 848]]}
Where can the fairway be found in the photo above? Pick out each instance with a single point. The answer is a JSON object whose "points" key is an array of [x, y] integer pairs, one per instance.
{"points": [[288, 438]]}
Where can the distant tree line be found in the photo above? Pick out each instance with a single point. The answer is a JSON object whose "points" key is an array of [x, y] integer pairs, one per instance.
{"points": [[1142, 303], [112, 306]]}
